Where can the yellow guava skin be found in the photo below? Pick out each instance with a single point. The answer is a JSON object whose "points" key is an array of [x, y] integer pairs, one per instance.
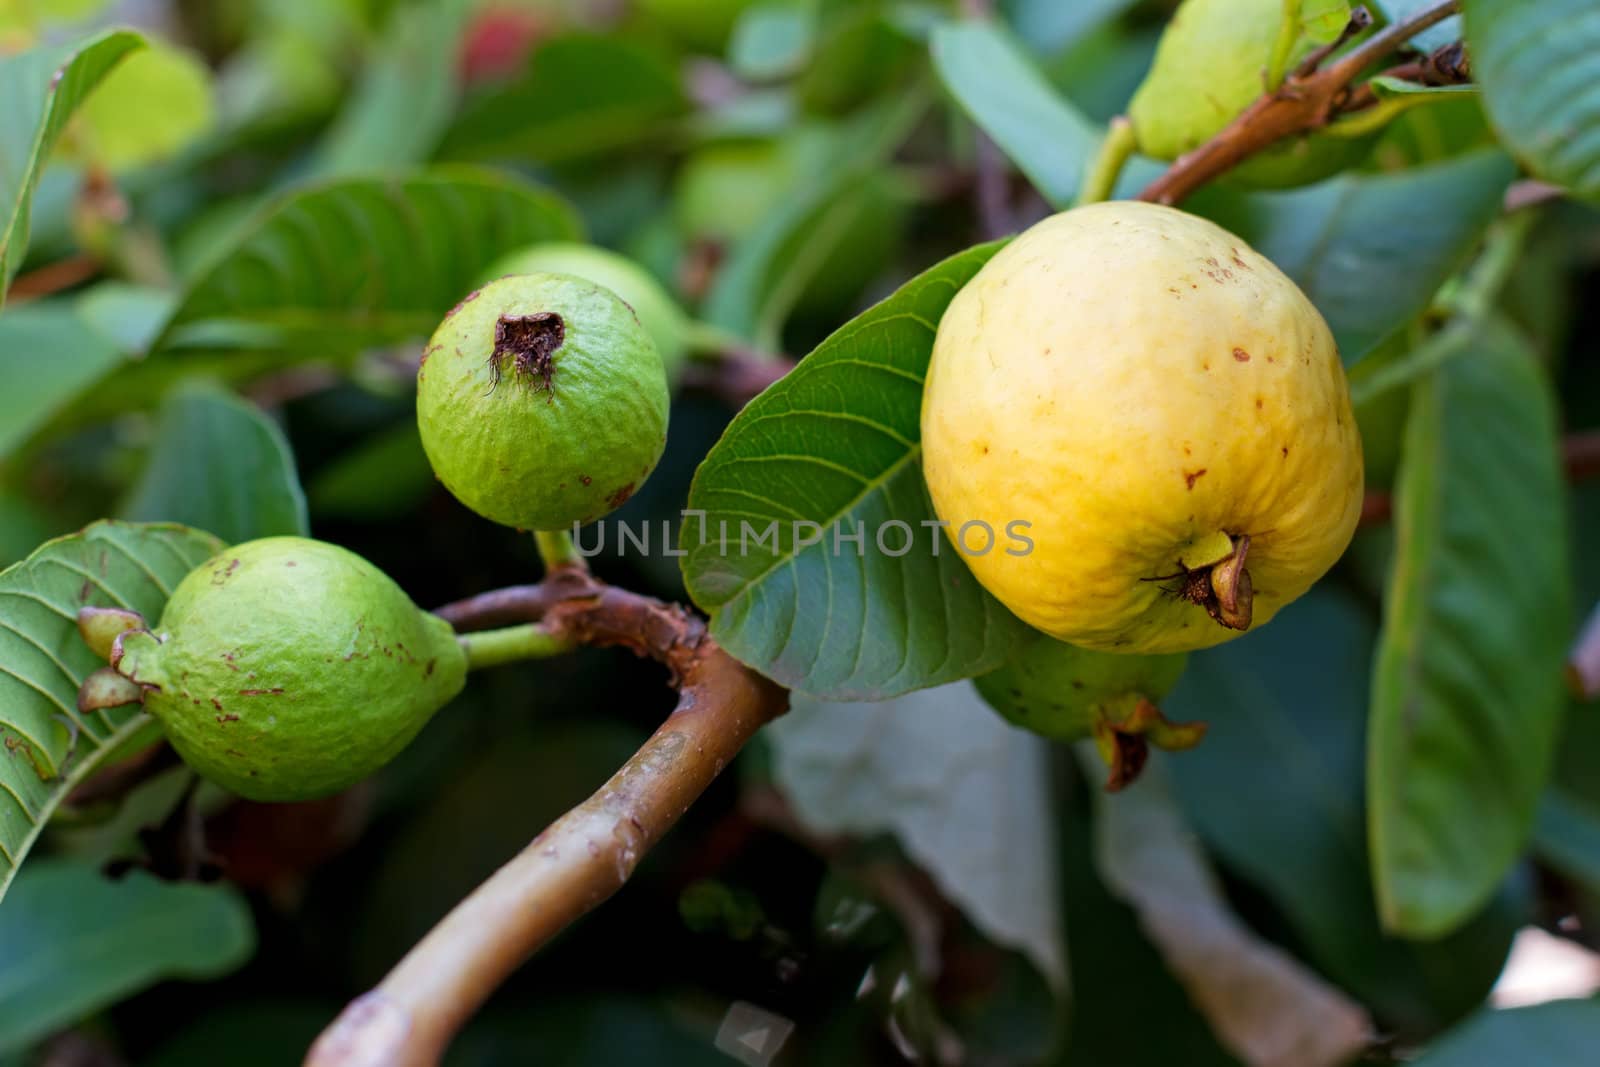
{"points": [[542, 450], [287, 669], [1141, 387]]}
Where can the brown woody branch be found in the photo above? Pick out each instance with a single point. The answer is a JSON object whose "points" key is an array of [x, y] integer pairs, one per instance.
{"points": [[587, 854], [1309, 98]]}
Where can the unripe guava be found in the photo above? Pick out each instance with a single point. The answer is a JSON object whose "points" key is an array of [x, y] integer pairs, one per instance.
{"points": [[1067, 693], [1062, 691], [1163, 407], [1209, 66], [542, 401], [288, 669], [658, 312]]}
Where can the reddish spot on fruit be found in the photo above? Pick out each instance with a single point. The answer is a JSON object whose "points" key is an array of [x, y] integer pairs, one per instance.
{"points": [[620, 497], [227, 718], [1241, 355], [585, 479], [1190, 477]]}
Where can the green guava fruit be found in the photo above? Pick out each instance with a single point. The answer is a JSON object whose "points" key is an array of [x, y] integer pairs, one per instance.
{"points": [[658, 312], [1210, 64], [542, 401], [725, 190], [288, 669], [1068, 693]]}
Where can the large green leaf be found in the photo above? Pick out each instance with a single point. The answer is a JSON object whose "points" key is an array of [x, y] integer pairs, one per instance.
{"points": [[838, 201], [1554, 1034], [334, 268], [219, 464], [1467, 691], [1000, 89], [1539, 65], [837, 443], [1371, 250], [73, 942], [41, 89], [958, 787], [584, 94], [48, 356], [1567, 835], [406, 95], [48, 746], [1277, 793]]}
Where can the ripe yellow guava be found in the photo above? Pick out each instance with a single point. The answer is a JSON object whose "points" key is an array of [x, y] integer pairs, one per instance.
{"points": [[658, 312], [1209, 66], [542, 401], [1068, 693], [1167, 412], [287, 669]]}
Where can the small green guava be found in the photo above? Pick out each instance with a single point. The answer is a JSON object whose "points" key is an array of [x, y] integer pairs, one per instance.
{"points": [[1210, 65], [542, 401], [638, 288], [288, 669], [1068, 693]]}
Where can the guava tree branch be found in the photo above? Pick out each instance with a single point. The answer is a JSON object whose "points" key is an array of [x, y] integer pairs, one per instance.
{"points": [[1309, 98], [587, 854]]}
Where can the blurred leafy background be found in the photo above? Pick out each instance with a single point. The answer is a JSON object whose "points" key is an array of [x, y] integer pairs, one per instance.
{"points": [[910, 881]]}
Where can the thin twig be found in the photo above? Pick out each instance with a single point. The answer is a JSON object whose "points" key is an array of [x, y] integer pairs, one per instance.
{"points": [[53, 278], [1307, 100], [587, 854], [738, 376]]}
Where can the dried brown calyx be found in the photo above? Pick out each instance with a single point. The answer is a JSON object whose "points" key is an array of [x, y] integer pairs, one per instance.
{"points": [[1223, 588], [1125, 744], [529, 343]]}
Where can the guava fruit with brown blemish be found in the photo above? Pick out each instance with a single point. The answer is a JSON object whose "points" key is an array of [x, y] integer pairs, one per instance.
{"points": [[542, 401], [288, 669]]}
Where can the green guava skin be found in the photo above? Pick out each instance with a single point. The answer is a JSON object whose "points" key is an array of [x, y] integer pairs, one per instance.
{"points": [[1210, 65], [1060, 691], [660, 314], [540, 457], [287, 669]]}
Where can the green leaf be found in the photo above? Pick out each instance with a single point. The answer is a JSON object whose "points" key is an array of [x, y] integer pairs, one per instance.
{"points": [[840, 198], [1051, 27], [152, 106], [73, 942], [967, 796], [1372, 250], [1276, 791], [583, 95], [48, 356], [772, 40], [1467, 691], [41, 89], [841, 436], [1322, 21], [406, 96], [47, 746], [997, 85], [1539, 65], [386, 476], [219, 464], [1557, 1032], [352, 264], [1258, 998]]}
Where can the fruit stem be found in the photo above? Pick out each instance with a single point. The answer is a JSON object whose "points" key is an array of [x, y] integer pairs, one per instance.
{"points": [[557, 550], [491, 648], [1100, 177]]}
